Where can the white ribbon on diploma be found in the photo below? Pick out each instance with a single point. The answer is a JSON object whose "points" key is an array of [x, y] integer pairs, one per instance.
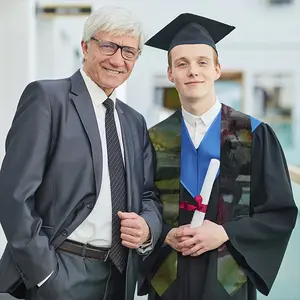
{"points": [[209, 180]]}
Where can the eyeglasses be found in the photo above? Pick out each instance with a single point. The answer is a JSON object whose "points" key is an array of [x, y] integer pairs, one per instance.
{"points": [[110, 48]]}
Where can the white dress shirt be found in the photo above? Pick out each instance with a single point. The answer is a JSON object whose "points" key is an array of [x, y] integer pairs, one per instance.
{"points": [[96, 228], [198, 125]]}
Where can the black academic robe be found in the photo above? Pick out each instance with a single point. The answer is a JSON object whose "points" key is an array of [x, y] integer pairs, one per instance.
{"points": [[256, 242]]}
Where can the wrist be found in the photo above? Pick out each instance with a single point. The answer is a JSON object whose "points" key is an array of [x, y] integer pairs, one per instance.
{"points": [[225, 237], [147, 236], [167, 240]]}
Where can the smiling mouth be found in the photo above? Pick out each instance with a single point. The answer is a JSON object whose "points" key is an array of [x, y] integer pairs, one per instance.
{"points": [[194, 82], [113, 71]]}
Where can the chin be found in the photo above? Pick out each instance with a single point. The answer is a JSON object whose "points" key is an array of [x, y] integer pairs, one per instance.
{"points": [[194, 97], [115, 80], [112, 84]]}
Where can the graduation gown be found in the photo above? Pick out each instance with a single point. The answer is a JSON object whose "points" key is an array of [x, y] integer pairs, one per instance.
{"points": [[258, 225]]}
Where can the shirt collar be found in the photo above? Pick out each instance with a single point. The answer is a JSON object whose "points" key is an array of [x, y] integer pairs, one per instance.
{"points": [[207, 118], [98, 96]]}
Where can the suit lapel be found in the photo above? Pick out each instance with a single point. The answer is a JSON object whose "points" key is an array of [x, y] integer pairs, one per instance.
{"points": [[84, 106], [128, 151]]}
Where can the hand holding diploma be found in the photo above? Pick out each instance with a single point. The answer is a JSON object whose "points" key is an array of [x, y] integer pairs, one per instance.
{"points": [[209, 180], [204, 238], [204, 235]]}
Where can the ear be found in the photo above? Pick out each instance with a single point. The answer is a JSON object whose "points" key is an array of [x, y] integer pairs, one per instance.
{"points": [[218, 72], [84, 48], [170, 76]]}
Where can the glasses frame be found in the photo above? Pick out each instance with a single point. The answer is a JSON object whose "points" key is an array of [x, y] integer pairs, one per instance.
{"points": [[100, 42]]}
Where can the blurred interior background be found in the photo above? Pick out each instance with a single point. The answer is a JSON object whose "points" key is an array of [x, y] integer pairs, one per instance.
{"points": [[260, 62]]}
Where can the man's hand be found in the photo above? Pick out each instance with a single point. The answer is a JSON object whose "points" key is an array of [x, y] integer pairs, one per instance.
{"points": [[207, 237], [173, 240], [134, 230]]}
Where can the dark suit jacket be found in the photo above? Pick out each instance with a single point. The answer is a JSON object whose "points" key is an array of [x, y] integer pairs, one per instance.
{"points": [[51, 176]]}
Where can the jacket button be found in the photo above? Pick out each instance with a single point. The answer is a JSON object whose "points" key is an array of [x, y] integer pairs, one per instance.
{"points": [[90, 205], [64, 232]]}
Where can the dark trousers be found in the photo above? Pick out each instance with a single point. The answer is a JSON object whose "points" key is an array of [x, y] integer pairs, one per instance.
{"points": [[81, 278]]}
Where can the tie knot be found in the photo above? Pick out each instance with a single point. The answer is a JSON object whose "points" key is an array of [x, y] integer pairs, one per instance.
{"points": [[109, 104]]}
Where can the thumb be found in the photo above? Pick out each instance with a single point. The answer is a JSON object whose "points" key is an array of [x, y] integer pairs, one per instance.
{"points": [[185, 226], [206, 222], [127, 215]]}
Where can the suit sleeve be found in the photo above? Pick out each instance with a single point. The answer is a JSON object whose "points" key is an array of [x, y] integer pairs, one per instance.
{"points": [[259, 242], [24, 164], [151, 205]]}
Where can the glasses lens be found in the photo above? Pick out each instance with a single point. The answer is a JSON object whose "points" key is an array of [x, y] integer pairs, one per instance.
{"points": [[108, 48], [129, 53]]}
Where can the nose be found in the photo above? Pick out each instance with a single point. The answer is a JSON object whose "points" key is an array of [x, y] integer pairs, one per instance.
{"points": [[193, 70], [117, 60]]}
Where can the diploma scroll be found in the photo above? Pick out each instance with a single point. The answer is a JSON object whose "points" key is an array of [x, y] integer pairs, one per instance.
{"points": [[209, 179]]}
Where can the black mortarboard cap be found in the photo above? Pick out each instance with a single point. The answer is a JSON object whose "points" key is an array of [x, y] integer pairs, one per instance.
{"points": [[190, 29]]}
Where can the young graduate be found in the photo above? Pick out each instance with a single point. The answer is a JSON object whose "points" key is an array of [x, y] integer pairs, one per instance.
{"points": [[251, 212]]}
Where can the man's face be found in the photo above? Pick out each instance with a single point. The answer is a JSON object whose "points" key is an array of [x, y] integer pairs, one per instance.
{"points": [[194, 70], [108, 71]]}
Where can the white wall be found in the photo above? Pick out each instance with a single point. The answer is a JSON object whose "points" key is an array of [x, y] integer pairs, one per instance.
{"points": [[57, 40], [17, 53]]}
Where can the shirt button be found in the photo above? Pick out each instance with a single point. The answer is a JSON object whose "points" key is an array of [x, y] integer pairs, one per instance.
{"points": [[64, 232], [90, 205]]}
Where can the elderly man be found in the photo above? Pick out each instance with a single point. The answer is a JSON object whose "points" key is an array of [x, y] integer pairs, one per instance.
{"points": [[78, 204]]}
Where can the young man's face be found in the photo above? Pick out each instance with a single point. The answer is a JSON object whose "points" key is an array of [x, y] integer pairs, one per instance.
{"points": [[193, 70]]}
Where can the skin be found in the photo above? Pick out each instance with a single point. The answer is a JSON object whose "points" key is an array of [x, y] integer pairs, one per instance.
{"points": [[134, 230], [109, 72], [194, 69], [97, 64]]}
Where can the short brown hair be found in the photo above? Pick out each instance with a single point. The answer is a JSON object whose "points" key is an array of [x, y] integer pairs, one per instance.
{"points": [[216, 59]]}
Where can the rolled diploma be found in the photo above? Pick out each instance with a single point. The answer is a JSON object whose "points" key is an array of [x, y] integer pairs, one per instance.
{"points": [[209, 180]]}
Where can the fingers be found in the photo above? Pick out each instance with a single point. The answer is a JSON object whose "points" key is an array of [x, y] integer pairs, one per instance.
{"points": [[183, 250], [199, 252], [129, 245], [188, 243], [193, 250], [132, 231], [130, 239], [186, 231], [175, 247], [127, 215], [185, 226], [131, 223], [184, 238]]}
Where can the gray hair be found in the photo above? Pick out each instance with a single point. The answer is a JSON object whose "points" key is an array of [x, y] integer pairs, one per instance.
{"points": [[115, 20]]}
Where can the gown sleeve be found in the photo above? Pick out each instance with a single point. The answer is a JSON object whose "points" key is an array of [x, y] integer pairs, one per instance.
{"points": [[153, 261], [258, 242]]}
